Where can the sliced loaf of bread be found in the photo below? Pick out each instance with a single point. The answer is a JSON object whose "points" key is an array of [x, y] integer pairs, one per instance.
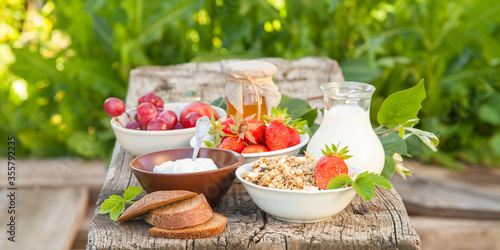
{"points": [[152, 201], [212, 227], [184, 213]]}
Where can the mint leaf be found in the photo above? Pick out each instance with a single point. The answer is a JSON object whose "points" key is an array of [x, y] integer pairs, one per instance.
{"points": [[401, 106], [339, 181], [364, 186], [117, 210], [132, 192]]}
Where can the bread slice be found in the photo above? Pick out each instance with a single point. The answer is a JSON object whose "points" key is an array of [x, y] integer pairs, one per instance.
{"points": [[152, 201], [184, 213], [212, 227]]}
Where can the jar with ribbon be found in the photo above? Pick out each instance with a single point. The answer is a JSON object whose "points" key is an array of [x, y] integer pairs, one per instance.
{"points": [[250, 89]]}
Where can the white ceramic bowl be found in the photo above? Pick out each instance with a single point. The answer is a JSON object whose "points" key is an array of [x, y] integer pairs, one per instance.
{"points": [[294, 205], [291, 151], [139, 142]]}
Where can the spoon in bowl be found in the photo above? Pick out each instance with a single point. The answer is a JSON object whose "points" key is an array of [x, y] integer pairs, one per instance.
{"points": [[202, 127]]}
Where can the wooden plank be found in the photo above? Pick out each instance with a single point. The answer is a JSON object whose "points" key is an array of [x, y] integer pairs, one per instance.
{"points": [[379, 223], [424, 194], [453, 233], [57, 172], [46, 218], [298, 78]]}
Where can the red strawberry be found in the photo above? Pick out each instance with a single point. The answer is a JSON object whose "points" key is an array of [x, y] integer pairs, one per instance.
{"points": [[294, 137], [227, 125], [295, 129], [232, 143], [254, 133], [277, 134], [330, 165], [250, 149]]}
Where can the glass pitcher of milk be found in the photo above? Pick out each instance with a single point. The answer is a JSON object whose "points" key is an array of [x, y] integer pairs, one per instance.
{"points": [[346, 121]]}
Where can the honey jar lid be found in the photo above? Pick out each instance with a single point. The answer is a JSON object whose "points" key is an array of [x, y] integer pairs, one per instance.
{"points": [[254, 69]]}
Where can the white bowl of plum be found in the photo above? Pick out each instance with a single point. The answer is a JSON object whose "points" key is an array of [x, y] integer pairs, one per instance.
{"points": [[167, 130]]}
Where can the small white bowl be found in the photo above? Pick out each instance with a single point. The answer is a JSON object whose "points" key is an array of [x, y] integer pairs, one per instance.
{"points": [[296, 205], [291, 151], [139, 142]]}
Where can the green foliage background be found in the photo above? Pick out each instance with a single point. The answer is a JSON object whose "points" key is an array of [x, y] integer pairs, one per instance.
{"points": [[59, 60]]}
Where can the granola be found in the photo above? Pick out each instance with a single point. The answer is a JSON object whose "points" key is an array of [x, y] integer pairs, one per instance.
{"points": [[287, 173]]}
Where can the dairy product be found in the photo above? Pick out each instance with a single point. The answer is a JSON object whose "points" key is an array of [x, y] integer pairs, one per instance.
{"points": [[350, 125], [186, 166]]}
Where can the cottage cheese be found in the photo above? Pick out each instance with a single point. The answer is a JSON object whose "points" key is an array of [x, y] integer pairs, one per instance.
{"points": [[185, 166]]}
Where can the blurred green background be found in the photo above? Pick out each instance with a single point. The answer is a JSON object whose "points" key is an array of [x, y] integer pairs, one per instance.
{"points": [[59, 61]]}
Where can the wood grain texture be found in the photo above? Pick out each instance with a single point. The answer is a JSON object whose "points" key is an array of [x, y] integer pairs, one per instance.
{"points": [[297, 78], [379, 223], [46, 218], [445, 198]]}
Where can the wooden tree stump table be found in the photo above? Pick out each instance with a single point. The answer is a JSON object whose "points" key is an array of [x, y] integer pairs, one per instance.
{"points": [[381, 223]]}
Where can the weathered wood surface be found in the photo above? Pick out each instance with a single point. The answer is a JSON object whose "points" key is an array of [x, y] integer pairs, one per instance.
{"points": [[46, 218], [440, 196], [379, 223], [58, 172], [297, 78]]}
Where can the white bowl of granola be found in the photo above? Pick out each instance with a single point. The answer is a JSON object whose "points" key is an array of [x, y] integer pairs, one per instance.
{"points": [[284, 187]]}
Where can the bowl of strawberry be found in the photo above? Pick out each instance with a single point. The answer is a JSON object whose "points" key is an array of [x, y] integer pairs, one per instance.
{"points": [[279, 135], [155, 125]]}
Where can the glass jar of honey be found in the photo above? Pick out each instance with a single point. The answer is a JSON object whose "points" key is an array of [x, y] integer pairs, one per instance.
{"points": [[250, 89]]}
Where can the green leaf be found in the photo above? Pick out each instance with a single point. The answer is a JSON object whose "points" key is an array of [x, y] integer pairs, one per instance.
{"points": [[109, 204], [393, 143], [132, 192], [495, 143], [189, 93], [219, 102], [339, 181], [389, 167], [364, 186], [298, 108], [401, 106], [208, 144], [310, 117], [379, 180], [360, 70], [117, 211]]}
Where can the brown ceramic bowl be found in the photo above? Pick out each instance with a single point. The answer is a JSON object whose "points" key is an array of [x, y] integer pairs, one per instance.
{"points": [[213, 184]]}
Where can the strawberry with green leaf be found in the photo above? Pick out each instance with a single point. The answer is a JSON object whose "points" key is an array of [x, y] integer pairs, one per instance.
{"points": [[277, 134], [115, 204], [330, 165], [216, 132], [229, 126], [296, 129], [249, 129]]}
